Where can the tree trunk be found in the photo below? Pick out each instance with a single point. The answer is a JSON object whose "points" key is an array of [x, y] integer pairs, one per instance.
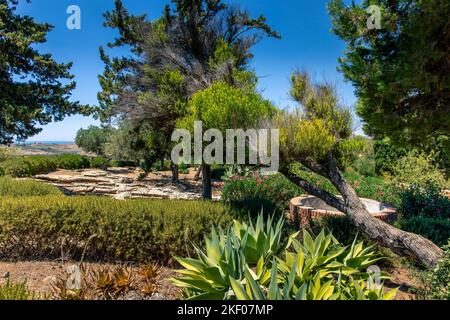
{"points": [[198, 174], [400, 242], [175, 174], [206, 179]]}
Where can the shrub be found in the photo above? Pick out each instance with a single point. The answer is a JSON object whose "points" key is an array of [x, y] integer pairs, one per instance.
{"points": [[386, 155], [135, 230], [437, 230], [16, 291], [24, 188], [439, 279], [427, 202], [417, 169], [72, 162], [99, 162], [33, 165], [253, 194], [426, 211]]}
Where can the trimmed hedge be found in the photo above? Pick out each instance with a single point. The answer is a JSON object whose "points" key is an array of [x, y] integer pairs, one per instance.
{"points": [[33, 165], [272, 194], [135, 230], [10, 187]]}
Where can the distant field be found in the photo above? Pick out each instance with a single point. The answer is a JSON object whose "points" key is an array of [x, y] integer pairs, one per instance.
{"points": [[49, 148]]}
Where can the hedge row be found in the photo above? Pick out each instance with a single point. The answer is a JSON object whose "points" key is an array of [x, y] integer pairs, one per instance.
{"points": [[31, 165], [135, 230], [10, 187]]}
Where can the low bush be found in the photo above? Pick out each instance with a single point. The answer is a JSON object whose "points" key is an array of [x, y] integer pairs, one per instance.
{"points": [[418, 169], [272, 194], [427, 202], [426, 211], [437, 230], [135, 230], [72, 162], [10, 187], [33, 165], [99, 162], [439, 279], [16, 291]]}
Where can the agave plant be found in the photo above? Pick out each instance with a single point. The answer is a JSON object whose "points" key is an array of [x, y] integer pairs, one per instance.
{"points": [[227, 256], [262, 240], [208, 276], [250, 262]]}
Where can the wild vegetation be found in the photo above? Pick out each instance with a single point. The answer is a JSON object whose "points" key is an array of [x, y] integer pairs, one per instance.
{"points": [[193, 63]]}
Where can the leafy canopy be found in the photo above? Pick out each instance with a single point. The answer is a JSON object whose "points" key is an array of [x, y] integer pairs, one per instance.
{"points": [[35, 89], [402, 71]]}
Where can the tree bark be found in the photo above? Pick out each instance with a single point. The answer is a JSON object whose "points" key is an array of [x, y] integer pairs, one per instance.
{"points": [[400, 242], [198, 174], [206, 179], [175, 174]]}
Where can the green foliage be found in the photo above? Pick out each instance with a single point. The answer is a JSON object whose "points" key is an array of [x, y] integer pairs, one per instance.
{"points": [[93, 139], [363, 162], [16, 291], [397, 71], [272, 194], [35, 88], [386, 155], [10, 187], [417, 169], [33, 165], [225, 107], [426, 212], [426, 202], [341, 228], [71, 162], [314, 269], [366, 187], [439, 280], [434, 229], [211, 275], [99, 162], [135, 230]]}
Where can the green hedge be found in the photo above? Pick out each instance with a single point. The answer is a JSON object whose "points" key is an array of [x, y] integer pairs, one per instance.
{"points": [[253, 194], [32, 165], [437, 230], [10, 187], [135, 230]]}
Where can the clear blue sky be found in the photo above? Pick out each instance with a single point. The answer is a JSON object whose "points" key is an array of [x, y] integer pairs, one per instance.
{"points": [[304, 25]]}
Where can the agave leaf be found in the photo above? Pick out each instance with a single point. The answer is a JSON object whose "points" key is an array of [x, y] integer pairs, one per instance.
{"points": [[273, 293], [239, 290], [257, 294], [190, 264]]}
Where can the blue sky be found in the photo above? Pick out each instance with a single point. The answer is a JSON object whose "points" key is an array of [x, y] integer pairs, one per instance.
{"points": [[307, 43]]}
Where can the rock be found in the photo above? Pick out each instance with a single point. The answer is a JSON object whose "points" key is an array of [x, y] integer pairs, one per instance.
{"points": [[5, 275], [123, 196], [118, 184]]}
